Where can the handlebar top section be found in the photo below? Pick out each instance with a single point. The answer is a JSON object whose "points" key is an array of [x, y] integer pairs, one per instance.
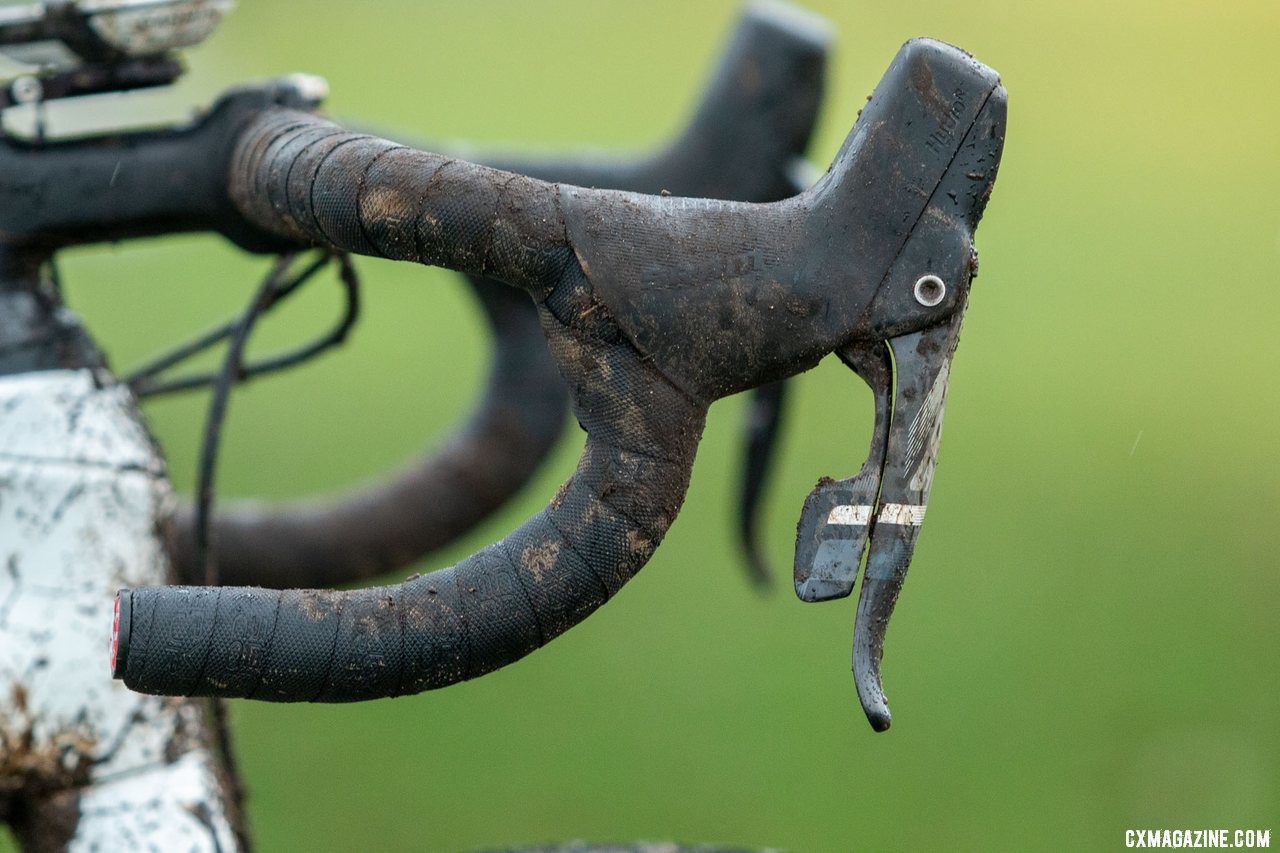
{"points": [[745, 140], [106, 188], [653, 307]]}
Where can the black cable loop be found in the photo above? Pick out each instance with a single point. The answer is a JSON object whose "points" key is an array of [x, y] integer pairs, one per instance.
{"points": [[143, 380], [146, 380]]}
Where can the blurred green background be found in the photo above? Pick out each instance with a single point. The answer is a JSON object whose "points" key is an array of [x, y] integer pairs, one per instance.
{"points": [[1088, 641]]}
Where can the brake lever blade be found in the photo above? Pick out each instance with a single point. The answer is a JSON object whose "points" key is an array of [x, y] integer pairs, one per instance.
{"points": [[765, 408], [836, 518], [922, 362], [654, 307]]}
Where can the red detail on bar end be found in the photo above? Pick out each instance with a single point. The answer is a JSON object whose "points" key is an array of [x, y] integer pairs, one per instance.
{"points": [[119, 616]]}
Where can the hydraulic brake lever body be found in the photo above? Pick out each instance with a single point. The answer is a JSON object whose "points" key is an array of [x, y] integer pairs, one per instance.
{"points": [[744, 142], [654, 308]]}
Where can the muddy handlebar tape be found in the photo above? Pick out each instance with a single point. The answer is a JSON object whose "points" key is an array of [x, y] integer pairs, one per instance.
{"points": [[753, 122], [654, 307]]}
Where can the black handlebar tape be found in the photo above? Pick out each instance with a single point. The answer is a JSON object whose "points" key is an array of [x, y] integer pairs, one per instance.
{"points": [[315, 183], [456, 623], [754, 119], [652, 306], [430, 502]]}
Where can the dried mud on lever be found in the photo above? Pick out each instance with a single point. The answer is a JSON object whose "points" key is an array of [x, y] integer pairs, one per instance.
{"points": [[637, 290], [653, 307]]}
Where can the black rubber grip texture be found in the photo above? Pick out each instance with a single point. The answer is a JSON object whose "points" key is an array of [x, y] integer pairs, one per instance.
{"points": [[318, 184], [371, 196], [754, 119], [658, 306], [463, 621], [428, 503]]}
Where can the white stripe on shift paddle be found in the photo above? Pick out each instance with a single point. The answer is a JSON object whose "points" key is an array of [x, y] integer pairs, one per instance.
{"points": [[850, 514], [906, 514]]}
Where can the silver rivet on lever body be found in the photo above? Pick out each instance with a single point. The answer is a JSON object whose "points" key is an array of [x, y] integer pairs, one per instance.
{"points": [[930, 290]]}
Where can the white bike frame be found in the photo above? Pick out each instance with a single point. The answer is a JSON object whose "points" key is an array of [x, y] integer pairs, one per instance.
{"points": [[83, 491]]}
